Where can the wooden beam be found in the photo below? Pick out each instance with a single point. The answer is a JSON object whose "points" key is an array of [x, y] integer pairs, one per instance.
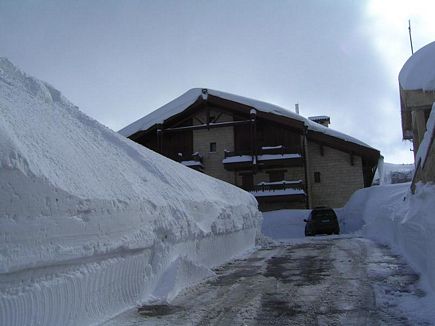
{"points": [[208, 126]]}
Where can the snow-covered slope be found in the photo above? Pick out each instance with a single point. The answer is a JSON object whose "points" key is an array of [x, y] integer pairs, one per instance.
{"points": [[92, 223], [182, 102], [392, 215], [417, 72]]}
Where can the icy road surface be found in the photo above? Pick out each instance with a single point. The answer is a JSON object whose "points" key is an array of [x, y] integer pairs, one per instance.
{"points": [[319, 281]]}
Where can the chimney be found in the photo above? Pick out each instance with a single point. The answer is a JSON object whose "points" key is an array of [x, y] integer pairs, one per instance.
{"points": [[324, 120], [204, 94]]}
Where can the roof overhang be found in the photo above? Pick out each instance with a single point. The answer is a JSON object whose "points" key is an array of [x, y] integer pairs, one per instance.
{"points": [[413, 100]]}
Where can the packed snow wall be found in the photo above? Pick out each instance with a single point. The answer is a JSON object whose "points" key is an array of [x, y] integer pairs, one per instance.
{"points": [[92, 223], [392, 215]]}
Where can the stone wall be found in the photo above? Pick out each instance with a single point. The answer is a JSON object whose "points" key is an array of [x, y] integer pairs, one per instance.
{"points": [[224, 139], [339, 179]]}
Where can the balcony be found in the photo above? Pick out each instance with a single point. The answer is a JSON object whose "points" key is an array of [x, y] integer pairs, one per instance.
{"points": [[268, 157], [292, 191], [238, 160], [276, 156], [194, 161]]}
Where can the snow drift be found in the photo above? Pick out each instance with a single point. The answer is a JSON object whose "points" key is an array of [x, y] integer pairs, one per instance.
{"points": [[391, 215], [92, 223], [285, 224]]}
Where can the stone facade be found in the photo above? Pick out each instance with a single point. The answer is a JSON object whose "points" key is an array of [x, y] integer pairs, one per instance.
{"points": [[223, 138], [264, 153], [339, 179]]}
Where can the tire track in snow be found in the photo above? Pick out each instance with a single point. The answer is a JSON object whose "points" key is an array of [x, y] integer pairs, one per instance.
{"points": [[322, 281]]}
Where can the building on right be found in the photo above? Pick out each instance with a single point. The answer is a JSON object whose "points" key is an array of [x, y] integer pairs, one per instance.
{"points": [[417, 97]]}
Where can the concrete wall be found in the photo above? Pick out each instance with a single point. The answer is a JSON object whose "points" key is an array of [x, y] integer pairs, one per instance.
{"points": [[338, 178], [224, 139]]}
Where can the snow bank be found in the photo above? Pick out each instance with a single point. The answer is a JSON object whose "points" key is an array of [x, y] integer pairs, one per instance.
{"points": [[284, 224], [92, 223], [392, 215], [389, 173], [417, 72]]}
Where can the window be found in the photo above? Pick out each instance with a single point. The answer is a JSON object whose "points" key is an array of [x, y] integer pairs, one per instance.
{"points": [[212, 147], [276, 175], [317, 177], [247, 181]]}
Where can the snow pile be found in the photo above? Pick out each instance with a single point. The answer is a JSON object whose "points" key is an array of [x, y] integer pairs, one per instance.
{"points": [[417, 72], [392, 215], [284, 224], [92, 223], [182, 102], [390, 173]]}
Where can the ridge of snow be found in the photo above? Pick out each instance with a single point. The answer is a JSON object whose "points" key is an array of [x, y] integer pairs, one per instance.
{"points": [[392, 215], [182, 102], [91, 221], [418, 72]]}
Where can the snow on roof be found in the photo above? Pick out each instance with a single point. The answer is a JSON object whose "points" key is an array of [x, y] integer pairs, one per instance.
{"points": [[419, 70], [182, 102]]}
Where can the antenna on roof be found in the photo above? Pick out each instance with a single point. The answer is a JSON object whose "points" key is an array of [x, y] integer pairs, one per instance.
{"points": [[410, 36], [297, 108]]}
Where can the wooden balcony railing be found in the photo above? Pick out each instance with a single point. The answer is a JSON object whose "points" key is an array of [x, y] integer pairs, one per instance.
{"points": [[193, 161], [264, 156], [290, 190]]}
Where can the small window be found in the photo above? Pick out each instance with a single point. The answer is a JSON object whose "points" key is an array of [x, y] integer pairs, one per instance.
{"points": [[317, 177], [247, 181], [212, 147], [275, 176]]}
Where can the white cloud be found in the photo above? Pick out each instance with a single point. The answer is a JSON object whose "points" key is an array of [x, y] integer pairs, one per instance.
{"points": [[389, 28]]}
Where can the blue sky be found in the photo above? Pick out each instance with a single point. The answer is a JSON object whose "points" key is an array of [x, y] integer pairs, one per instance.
{"points": [[119, 60]]}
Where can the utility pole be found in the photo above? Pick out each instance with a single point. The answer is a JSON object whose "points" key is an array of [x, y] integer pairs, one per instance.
{"points": [[410, 36]]}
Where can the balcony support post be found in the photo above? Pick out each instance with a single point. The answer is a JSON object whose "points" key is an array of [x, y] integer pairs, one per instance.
{"points": [[253, 136], [160, 138]]}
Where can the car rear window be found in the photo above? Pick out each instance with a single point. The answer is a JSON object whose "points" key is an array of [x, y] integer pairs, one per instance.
{"points": [[316, 215]]}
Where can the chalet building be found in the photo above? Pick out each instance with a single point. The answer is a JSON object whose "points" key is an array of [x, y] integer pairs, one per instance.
{"points": [[282, 158], [417, 97]]}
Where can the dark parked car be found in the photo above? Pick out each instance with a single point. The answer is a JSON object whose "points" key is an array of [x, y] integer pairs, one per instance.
{"points": [[322, 220]]}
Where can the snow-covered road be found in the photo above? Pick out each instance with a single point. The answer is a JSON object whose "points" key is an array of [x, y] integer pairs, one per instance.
{"points": [[319, 281]]}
